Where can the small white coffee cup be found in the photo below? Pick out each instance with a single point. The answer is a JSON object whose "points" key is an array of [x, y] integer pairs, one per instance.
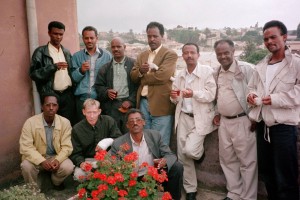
{"points": [[258, 101]]}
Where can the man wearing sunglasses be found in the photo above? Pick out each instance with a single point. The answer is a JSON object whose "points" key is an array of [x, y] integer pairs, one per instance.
{"points": [[150, 147]]}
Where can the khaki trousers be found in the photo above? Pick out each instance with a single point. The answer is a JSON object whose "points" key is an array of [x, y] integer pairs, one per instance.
{"points": [[238, 157], [189, 147], [30, 172]]}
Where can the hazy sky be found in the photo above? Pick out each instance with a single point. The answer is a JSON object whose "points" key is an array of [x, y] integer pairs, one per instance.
{"points": [[122, 15]]}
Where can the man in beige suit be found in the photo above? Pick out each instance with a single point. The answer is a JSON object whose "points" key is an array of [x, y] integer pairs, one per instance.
{"points": [[153, 70], [45, 144]]}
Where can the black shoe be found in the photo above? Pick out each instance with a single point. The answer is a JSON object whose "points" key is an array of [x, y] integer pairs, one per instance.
{"points": [[200, 160], [59, 187], [191, 196], [227, 198]]}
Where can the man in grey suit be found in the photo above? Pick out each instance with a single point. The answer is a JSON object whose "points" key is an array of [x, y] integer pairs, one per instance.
{"points": [[149, 146]]}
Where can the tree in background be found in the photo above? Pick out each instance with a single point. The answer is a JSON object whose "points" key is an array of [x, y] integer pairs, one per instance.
{"points": [[298, 32], [252, 54]]}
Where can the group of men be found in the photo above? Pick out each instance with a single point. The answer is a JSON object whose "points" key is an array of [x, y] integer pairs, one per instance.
{"points": [[255, 108]]}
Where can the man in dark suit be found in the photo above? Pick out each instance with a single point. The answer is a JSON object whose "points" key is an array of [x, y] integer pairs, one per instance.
{"points": [[149, 146], [115, 90], [153, 70]]}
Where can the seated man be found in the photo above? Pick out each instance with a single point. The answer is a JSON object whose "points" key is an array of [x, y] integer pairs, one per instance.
{"points": [[87, 133], [45, 144], [149, 146]]}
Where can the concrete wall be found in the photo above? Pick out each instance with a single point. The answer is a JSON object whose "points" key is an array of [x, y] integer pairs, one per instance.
{"points": [[16, 104]]}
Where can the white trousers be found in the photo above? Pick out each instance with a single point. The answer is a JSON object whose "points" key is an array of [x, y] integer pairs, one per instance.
{"points": [[238, 157], [189, 147]]}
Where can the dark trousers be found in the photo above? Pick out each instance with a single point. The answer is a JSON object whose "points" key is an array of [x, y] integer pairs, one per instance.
{"points": [[277, 161], [67, 105], [79, 106], [175, 181]]}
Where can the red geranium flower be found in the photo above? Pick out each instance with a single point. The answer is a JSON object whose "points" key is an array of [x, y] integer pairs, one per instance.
{"points": [[143, 193], [87, 167], [81, 193], [122, 193], [166, 196]]}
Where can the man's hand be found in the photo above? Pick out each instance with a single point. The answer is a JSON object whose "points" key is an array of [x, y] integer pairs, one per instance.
{"points": [[144, 68], [126, 104], [61, 65], [47, 165], [82, 165], [267, 100], [55, 164], [187, 93], [173, 94], [216, 120], [251, 100], [85, 67], [112, 94]]}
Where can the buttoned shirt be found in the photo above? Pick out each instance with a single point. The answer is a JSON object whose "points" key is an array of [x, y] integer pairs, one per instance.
{"points": [[58, 56], [92, 62], [49, 137], [187, 104], [144, 155], [228, 104], [151, 57], [120, 79]]}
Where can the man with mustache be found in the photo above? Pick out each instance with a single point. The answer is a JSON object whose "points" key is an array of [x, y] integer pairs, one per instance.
{"points": [[274, 94], [152, 71], [194, 91], [116, 91], [86, 64]]}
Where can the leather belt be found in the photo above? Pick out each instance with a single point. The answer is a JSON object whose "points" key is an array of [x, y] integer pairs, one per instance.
{"points": [[236, 116], [189, 114]]}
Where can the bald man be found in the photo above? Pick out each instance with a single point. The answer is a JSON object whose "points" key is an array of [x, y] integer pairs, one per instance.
{"points": [[115, 90]]}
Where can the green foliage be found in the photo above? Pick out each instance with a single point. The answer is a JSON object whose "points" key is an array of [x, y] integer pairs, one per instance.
{"points": [[22, 192], [253, 36], [252, 54], [184, 36]]}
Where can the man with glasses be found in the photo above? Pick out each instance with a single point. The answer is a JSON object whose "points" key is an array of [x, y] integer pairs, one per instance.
{"points": [[87, 133], [149, 146]]}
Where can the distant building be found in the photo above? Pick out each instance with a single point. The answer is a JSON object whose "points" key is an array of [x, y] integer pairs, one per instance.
{"points": [[294, 46]]}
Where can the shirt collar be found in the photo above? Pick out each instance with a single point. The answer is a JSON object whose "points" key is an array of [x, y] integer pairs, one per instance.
{"points": [[122, 61], [193, 72], [53, 48], [86, 52], [133, 142], [156, 50], [46, 124], [232, 67]]}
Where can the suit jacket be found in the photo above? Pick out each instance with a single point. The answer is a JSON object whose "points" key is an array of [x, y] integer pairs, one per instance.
{"points": [[158, 81], [33, 144], [154, 143]]}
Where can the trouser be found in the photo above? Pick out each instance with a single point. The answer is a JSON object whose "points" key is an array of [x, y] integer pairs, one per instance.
{"points": [[238, 157], [189, 147], [66, 104], [163, 124], [174, 184], [79, 107], [30, 172], [277, 161]]}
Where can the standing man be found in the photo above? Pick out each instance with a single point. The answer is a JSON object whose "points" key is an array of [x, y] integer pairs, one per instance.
{"points": [[237, 143], [149, 146], [152, 71], [45, 144], [86, 64], [116, 91], [50, 69], [88, 133], [194, 90], [275, 97]]}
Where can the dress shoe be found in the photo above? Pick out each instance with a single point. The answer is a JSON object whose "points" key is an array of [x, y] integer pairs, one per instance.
{"points": [[227, 198], [191, 196], [59, 187]]}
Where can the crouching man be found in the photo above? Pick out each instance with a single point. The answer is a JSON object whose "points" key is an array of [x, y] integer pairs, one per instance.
{"points": [[45, 144], [149, 145]]}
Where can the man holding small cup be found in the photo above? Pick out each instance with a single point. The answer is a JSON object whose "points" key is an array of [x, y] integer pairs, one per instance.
{"points": [[86, 64], [194, 91]]}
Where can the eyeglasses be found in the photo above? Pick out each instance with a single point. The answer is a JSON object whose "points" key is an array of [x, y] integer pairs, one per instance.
{"points": [[135, 120]]}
